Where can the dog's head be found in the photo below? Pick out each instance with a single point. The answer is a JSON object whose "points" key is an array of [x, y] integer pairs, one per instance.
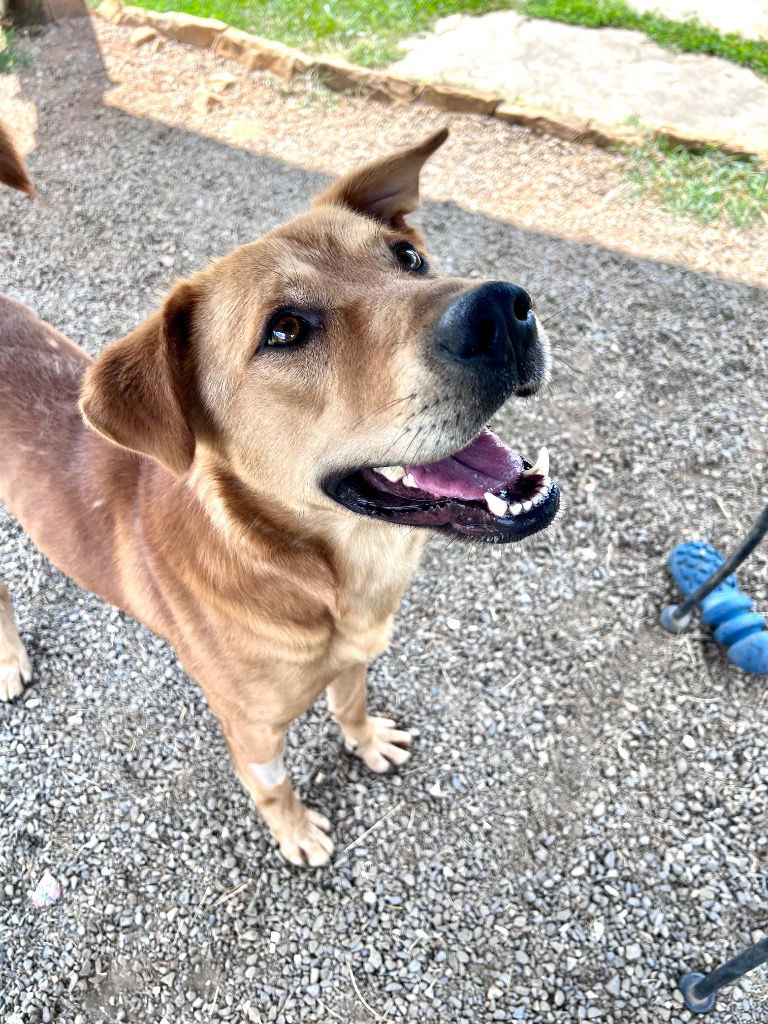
{"points": [[330, 370]]}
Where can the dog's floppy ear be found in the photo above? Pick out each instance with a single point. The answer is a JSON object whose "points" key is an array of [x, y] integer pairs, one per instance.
{"points": [[12, 169], [136, 393], [387, 189]]}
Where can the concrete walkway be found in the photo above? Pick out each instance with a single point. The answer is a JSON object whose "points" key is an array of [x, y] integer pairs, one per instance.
{"points": [[609, 76]]}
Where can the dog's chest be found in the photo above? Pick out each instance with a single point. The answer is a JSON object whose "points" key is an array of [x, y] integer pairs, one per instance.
{"points": [[371, 587]]}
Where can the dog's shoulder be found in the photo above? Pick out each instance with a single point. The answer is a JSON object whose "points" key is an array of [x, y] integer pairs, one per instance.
{"points": [[24, 334]]}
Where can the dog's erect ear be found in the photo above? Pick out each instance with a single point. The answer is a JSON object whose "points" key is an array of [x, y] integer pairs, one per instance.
{"points": [[12, 169], [136, 393], [387, 189]]}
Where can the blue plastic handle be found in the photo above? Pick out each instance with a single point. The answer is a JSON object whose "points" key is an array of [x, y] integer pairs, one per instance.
{"points": [[726, 609]]}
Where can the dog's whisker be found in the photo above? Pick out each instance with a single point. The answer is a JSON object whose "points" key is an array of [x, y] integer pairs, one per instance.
{"points": [[557, 313], [383, 408], [416, 433], [561, 359], [397, 440]]}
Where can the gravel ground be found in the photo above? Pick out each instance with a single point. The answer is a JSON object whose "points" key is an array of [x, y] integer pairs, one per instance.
{"points": [[537, 182], [585, 815]]}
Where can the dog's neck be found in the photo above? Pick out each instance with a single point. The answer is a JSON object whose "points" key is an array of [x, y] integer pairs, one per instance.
{"points": [[364, 556], [371, 555]]}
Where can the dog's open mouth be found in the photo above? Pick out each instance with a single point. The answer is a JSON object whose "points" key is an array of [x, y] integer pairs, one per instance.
{"points": [[485, 491]]}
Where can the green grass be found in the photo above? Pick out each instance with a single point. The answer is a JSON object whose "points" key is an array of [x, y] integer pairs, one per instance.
{"points": [[706, 186], [11, 57], [368, 31], [365, 31], [687, 36]]}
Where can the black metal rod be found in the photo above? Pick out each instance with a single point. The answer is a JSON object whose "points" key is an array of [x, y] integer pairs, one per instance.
{"points": [[733, 969], [699, 990], [747, 546]]}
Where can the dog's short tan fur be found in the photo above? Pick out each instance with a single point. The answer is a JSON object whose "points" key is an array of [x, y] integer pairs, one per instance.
{"points": [[192, 498], [12, 170]]}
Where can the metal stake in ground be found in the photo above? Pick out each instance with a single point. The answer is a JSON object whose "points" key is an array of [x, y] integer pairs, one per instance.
{"points": [[699, 989]]}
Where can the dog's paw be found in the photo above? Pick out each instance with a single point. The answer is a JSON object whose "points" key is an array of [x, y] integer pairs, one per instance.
{"points": [[307, 841], [381, 745], [15, 671]]}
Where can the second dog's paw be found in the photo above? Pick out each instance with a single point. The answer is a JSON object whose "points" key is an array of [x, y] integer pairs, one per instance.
{"points": [[382, 745], [15, 671], [307, 841]]}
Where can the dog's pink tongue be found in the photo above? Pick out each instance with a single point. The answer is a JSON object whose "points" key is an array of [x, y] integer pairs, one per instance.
{"points": [[484, 465]]}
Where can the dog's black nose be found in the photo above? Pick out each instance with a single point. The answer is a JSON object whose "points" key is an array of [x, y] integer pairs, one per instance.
{"points": [[488, 325]]}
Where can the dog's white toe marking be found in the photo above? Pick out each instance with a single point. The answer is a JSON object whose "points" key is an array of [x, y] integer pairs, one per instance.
{"points": [[15, 671], [308, 842], [382, 746]]}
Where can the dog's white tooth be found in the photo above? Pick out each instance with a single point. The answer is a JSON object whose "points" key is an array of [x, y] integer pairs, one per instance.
{"points": [[409, 481], [393, 473], [516, 509], [495, 504], [540, 466], [527, 506]]}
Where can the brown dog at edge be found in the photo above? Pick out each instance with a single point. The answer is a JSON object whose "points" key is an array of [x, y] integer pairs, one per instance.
{"points": [[12, 169], [258, 464]]}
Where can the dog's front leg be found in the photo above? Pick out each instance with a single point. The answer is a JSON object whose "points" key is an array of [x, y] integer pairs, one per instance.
{"points": [[257, 752], [375, 740]]}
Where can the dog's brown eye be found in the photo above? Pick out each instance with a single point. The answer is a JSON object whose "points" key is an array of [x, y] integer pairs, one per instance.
{"points": [[408, 258], [287, 331]]}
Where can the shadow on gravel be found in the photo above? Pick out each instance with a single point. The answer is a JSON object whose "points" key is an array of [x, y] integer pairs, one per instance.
{"points": [[584, 817]]}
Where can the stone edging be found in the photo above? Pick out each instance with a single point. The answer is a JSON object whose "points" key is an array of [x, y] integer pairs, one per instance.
{"points": [[341, 76]]}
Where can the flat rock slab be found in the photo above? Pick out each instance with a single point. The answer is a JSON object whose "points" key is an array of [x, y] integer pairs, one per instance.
{"points": [[608, 75], [747, 17]]}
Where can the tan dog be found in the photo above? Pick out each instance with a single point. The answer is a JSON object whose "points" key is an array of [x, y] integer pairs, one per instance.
{"points": [[226, 492]]}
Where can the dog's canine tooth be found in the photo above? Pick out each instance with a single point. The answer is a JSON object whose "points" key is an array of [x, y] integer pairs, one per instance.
{"points": [[392, 473], [495, 504], [409, 481], [540, 466]]}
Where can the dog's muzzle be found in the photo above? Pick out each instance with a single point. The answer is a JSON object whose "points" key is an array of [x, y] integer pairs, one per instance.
{"points": [[488, 348]]}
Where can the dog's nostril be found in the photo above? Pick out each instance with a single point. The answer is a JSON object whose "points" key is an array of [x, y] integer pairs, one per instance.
{"points": [[521, 306]]}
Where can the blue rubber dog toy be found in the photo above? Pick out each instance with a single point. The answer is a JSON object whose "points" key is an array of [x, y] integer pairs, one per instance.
{"points": [[706, 579]]}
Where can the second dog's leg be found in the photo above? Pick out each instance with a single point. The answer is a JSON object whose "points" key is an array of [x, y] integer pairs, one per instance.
{"points": [[375, 740], [257, 751], [15, 669]]}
